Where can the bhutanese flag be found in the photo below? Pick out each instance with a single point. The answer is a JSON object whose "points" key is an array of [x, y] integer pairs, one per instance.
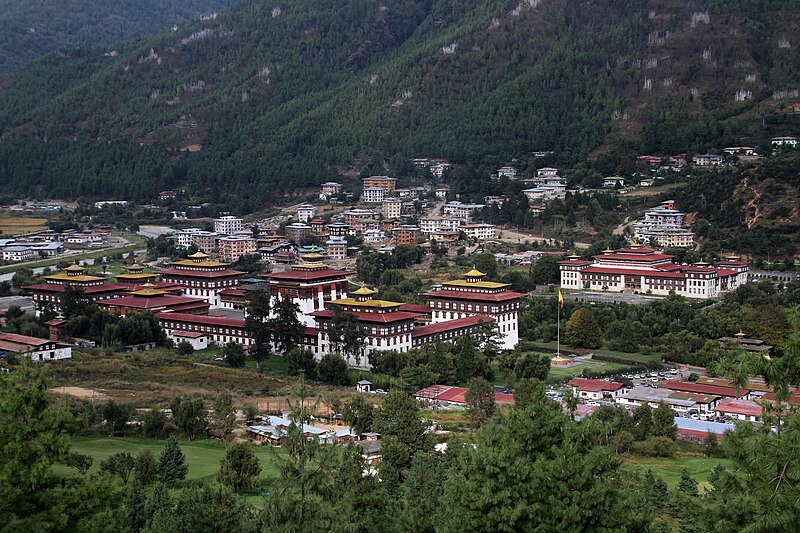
{"points": [[560, 299]]}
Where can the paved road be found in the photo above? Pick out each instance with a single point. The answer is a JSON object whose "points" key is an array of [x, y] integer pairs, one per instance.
{"points": [[23, 302]]}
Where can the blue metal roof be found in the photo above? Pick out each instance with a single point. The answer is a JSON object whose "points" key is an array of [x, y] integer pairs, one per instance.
{"points": [[702, 425]]}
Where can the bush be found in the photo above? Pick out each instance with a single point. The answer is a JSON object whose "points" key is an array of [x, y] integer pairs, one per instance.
{"points": [[608, 358], [233, 353], [332, 370], [655, 447], [185, 348], [153, 423], [301, 360]]}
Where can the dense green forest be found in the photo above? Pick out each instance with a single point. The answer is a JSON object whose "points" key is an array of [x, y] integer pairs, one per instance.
{"points": [[285, 96], [33, 28]]}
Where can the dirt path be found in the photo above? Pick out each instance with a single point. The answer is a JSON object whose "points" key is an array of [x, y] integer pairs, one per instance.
{"points": [[79, 392]]}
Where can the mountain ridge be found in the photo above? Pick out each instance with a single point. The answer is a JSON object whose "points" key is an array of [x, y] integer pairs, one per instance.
{"points": [[286, 96]]}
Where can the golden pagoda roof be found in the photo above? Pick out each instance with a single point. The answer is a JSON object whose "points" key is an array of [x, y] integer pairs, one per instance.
{"points": [[74, 268], [608, 251], [474, 273], [573, 256], [137, 275], [310, 266], [364, 291], [313, 256], [190, 263], [701, 263], [479, 284], [733, 257], [741, 334], [64, 276], [366, 303], [135, 266], [198, 255], [148, 292]]}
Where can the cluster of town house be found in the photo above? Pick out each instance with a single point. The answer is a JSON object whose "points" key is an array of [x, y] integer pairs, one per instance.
{"points": [[188, 289], [663, 226], [391, 222], [708, 397], [644, 270], [48, 243]]}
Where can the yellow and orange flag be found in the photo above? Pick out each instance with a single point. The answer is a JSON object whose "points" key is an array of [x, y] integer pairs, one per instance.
{"points": [[560, 299]]}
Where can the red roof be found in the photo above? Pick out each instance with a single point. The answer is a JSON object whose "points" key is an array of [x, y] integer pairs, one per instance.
{"points": [[715, 390], [200, 273], [739, 407], [503, 296], [595, 385], [232, 292], [794, 395], [23, 339], [208, 320], [696, 434], [636, 257], [90, 289], [635, 251], [416, 308], [152, 302], [446, 393], [309, 275], [188, 334], [380, 318], [451, 325], [632, 272]]}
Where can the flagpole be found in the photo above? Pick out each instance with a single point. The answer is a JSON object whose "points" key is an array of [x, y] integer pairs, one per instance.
{"points": [[558, 325]]}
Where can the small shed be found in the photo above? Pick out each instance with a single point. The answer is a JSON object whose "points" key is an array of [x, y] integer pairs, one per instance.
{"points": [[364, 386]]}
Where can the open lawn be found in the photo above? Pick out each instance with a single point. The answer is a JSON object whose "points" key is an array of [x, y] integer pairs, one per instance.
{"points": [[669, 470], [153, 378], [202, 456], [576, 369]]}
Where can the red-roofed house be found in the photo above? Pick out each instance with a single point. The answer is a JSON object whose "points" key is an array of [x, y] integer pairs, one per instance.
{"points": [[38, 350], [595, 389], [740, 409], [443, 395], [712, 390]]}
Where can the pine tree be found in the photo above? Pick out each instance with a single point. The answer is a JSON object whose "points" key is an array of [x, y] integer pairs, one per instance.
{"points": [[664, 421], [134, 518], [239, 469], [642, 422], [172, 463], [687, 485], [480, 401]]}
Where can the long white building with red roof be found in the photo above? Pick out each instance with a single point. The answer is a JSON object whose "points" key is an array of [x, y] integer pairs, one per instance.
{"points": [[646, 271]]}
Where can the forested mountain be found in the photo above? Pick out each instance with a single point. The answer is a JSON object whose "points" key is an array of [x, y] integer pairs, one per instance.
{"points": [[31, 28], [755, 208], [277, 96]]}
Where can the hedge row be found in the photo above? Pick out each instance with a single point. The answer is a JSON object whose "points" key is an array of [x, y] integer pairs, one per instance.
{"points": [[608, 358]]}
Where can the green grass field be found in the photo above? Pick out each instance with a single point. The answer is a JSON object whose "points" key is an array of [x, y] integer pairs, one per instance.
{"points": [[202, 456], [577, 369], [670, 469]]}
